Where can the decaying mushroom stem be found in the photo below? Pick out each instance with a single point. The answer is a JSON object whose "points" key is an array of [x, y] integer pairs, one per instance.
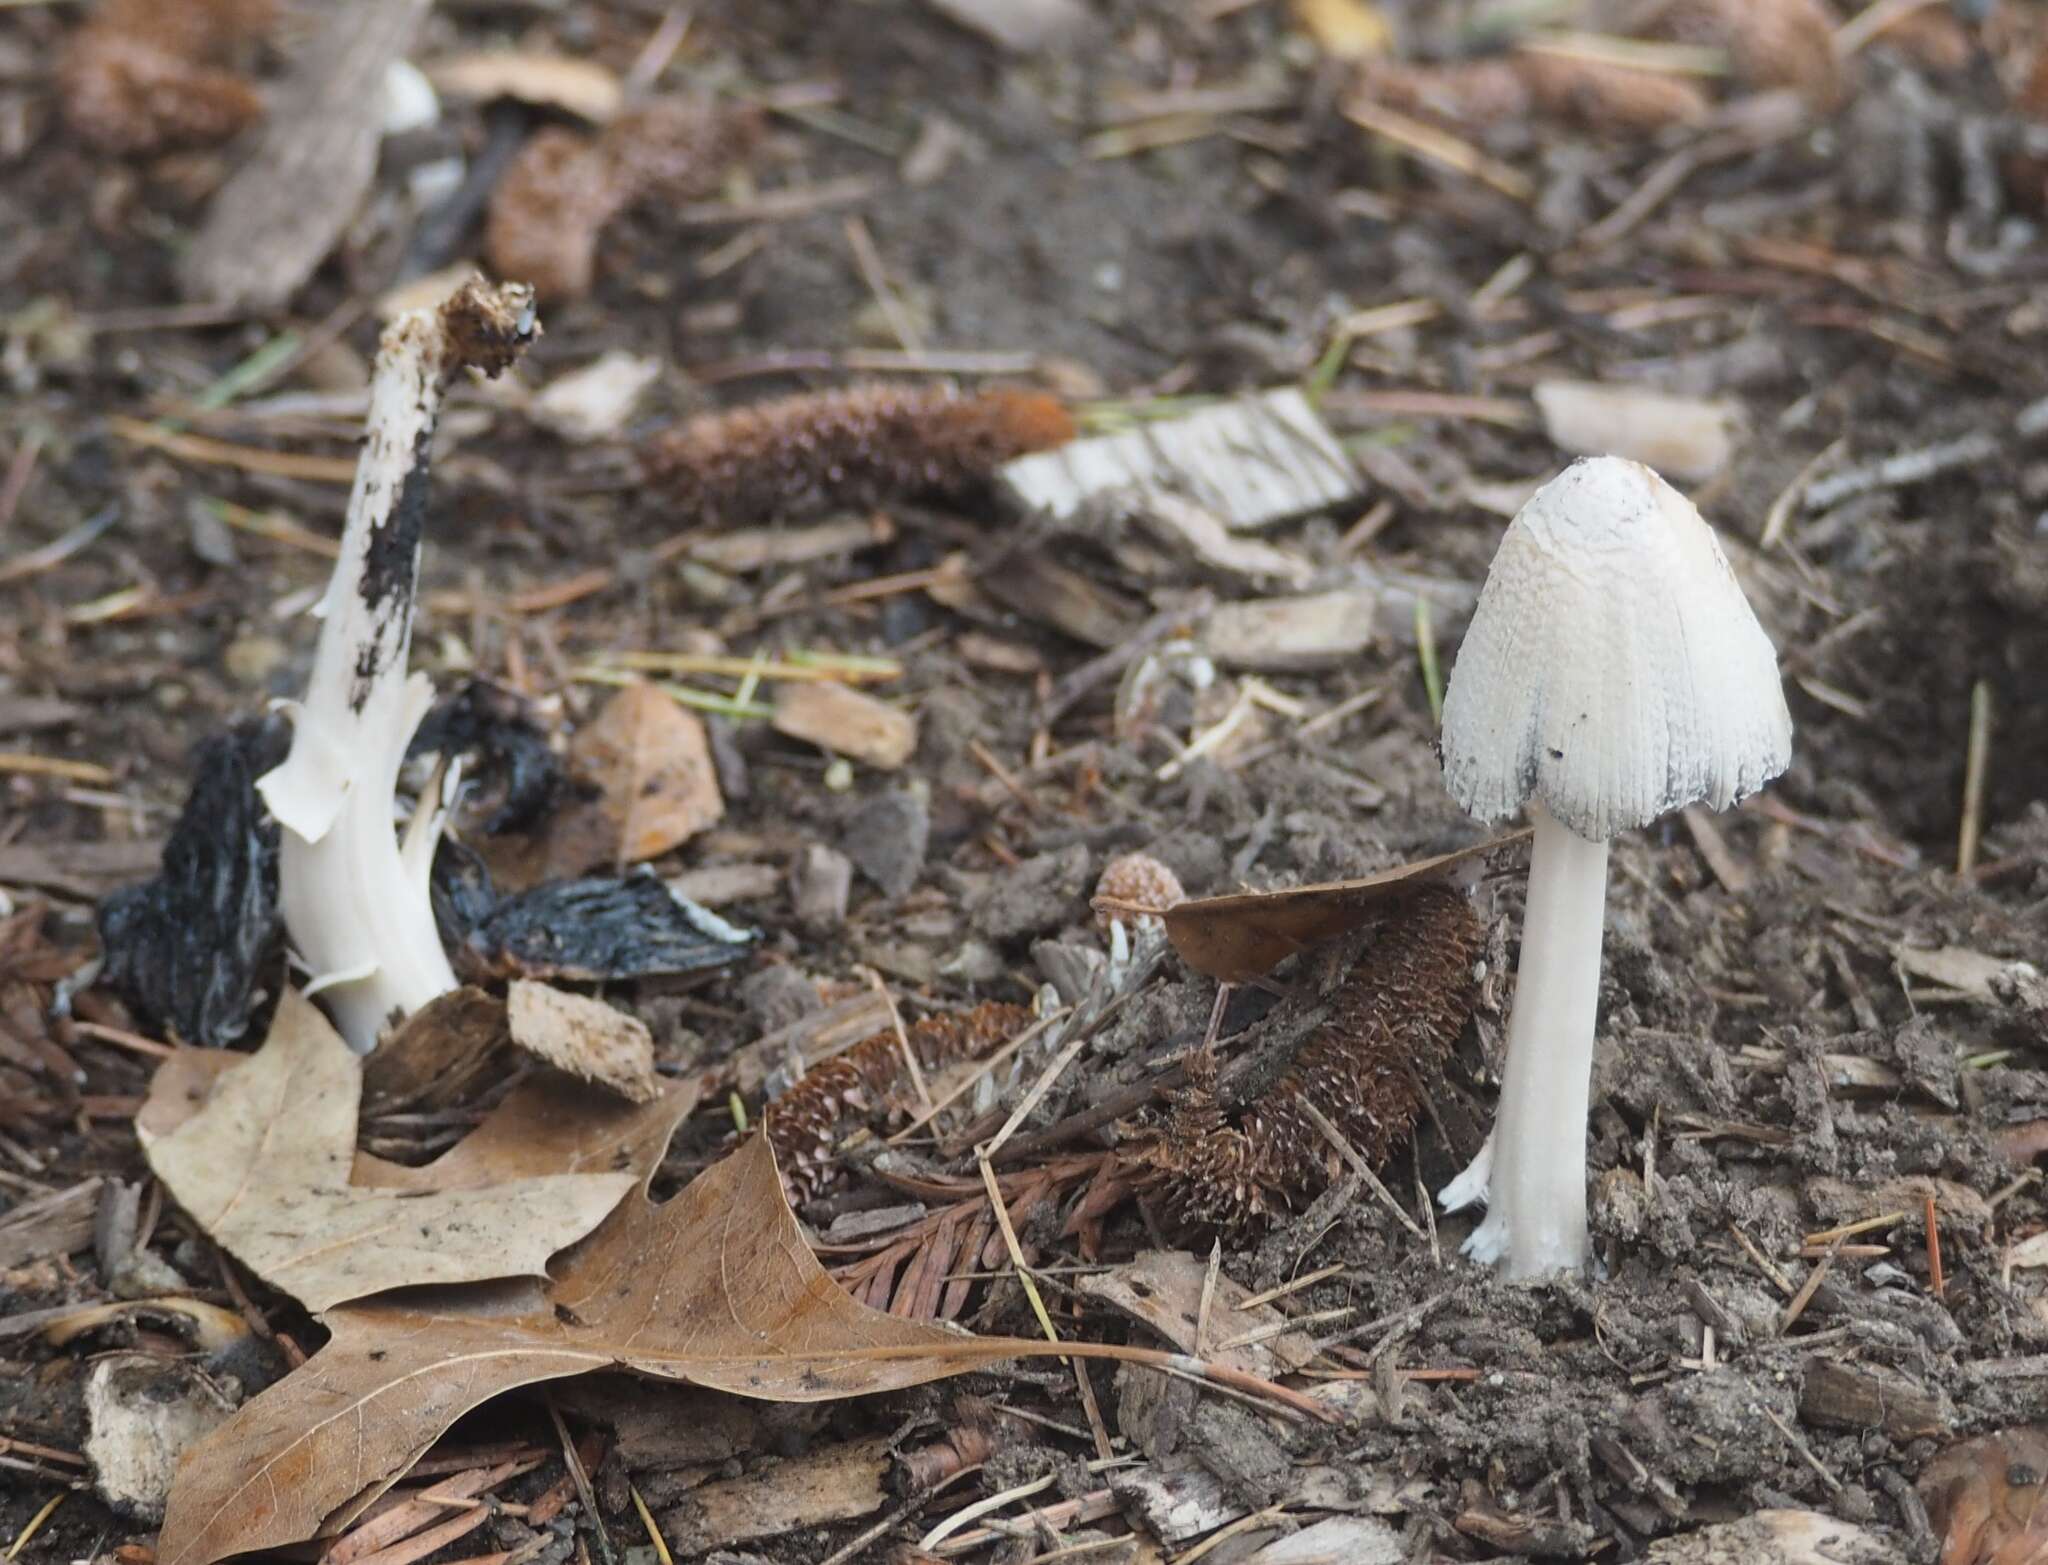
{"points": [[355, 904], [1534, 1162]]}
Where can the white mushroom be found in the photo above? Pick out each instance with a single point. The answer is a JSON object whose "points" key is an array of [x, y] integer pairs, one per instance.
{"points": [[355, 902], [1612, 671]]}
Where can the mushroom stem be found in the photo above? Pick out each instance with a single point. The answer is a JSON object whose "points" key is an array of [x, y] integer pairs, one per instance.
{"points": [[1536, 1181], [355, 903]]}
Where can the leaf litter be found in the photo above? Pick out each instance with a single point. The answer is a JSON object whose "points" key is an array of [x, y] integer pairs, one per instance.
{"points": [[715, 1287], [261, 1160]]}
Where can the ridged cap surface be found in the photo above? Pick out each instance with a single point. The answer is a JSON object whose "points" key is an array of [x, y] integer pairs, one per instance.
{"points": [[1613, 669]]}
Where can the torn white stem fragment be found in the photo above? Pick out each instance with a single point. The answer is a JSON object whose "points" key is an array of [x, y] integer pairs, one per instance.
{"points": [[355, 903]]}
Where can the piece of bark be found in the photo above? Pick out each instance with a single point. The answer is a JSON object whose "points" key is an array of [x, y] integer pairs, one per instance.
{"points": [[1775, 1538], [1031, 583], [85, 870], [1314, 631], [1251, 461], [1176, 1500], [842, 720], [1021, 26], [840, 1483], [1864, 1396], [54, 1224], [280, 214], [584, 1036], [1163, 1288], [821, 881]]}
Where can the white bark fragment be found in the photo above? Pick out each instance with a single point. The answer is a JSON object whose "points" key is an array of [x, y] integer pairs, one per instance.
{"points": [[1251, 462]]}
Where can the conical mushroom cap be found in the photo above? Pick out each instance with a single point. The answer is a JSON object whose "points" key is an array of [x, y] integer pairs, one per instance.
{"points": [[1613, 669]]}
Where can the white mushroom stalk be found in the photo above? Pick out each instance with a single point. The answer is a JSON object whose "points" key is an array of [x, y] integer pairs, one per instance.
{"points": [[355, 903], [1612, 671]]}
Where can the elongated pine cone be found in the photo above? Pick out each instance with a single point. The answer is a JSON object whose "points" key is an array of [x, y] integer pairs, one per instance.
{"points": [[150, 75], [1141, 880], [1394, 1018], [551, 207], [806, 1123], [859, 446]]}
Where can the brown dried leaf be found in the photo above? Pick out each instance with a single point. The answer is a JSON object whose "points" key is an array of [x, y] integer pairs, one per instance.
{"points": [[264, 1165], [1235, 939], [648, 760], [584, 1037], [715, 1288]]}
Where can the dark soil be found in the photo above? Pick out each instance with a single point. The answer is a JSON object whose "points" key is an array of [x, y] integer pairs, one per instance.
{"points": [[1579, 1418]]}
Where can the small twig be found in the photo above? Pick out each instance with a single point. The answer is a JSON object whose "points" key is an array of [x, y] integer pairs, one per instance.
{"points": [[1793, 495], [1076, 683], [645, 71], [574, 1462], [1805, 1451], [910, 1064], [1425, 654], [876, 276], [1038, 1090], [35, 1523], [1872, 22], [1280, 1328], [1764, 1263], [1902, 468], [1976, 763], [647, 1520], [1935, 1279], [20, 468], [1299, 1283], [1001, 774], [1439, 147], [31, 562], [1849, 1230], [1808, 1289], [967, 1086], [1361, 1168], [1399, 1321], [1208, 1298]]}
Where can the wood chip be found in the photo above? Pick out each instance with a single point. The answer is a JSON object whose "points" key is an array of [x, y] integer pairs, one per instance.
{"points": [[837, 1484], [585, 1037], [1251, 462], [54, 1224], [1021, 26], [583, 88], [279, 215], [1685, 438], [1292, 635], [847, 723]]}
